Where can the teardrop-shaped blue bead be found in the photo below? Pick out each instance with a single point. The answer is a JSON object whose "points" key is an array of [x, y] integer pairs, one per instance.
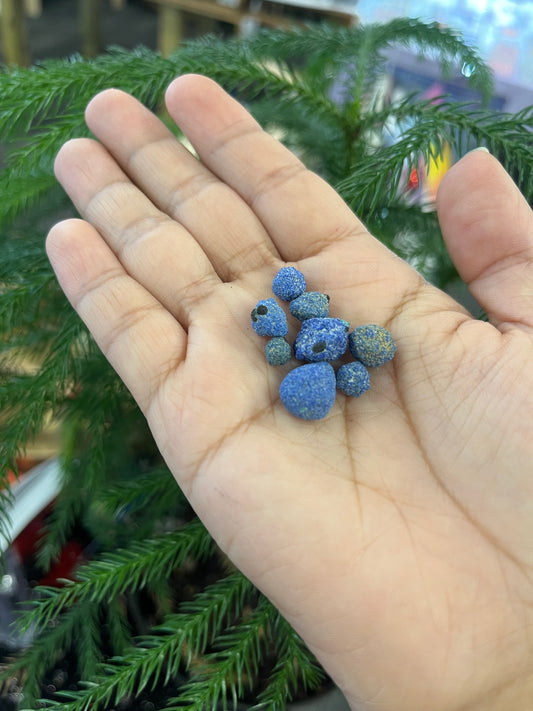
{"points": [[308, 391]]}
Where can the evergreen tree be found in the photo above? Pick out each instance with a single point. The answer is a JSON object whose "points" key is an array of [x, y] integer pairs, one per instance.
{"points": [[316, 88]]}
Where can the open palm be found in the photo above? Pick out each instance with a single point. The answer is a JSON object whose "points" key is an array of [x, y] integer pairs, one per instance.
{"points": [[396, 534]]}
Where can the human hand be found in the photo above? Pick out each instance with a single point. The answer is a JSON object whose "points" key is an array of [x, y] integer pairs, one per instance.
{"points": [[395, 535]]}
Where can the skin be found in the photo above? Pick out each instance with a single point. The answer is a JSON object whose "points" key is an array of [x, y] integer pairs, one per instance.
{"points": [[396, 535]]}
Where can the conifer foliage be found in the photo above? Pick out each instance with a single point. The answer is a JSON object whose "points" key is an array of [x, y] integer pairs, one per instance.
{"points": [[125, 619]]}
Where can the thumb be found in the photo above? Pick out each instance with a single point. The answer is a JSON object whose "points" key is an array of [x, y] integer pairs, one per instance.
{"points": [[488, 229]]}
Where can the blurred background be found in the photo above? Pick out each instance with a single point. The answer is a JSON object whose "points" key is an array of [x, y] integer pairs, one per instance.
{"points": [[502, 30]]}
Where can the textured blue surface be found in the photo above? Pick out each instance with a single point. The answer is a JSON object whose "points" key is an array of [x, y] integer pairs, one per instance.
{"points": [[288, 283], [321, 339], [353, 379], [308, 391], [269, 319], [311, 304], [371, 344], [278, 351]]}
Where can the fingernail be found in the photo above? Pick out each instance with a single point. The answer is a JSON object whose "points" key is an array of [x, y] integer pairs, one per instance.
{"points": [[480, 148]]}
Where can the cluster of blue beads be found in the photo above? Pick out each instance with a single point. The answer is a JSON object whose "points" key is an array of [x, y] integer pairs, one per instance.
{"points": [[309, 391]]}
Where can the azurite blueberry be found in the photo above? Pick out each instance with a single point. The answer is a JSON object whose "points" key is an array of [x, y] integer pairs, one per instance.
{"points": [[311, 304], [288, 283], [278, 351], [269, 319], [321, 339], [308, 392], [353, 379], [371, 344]]}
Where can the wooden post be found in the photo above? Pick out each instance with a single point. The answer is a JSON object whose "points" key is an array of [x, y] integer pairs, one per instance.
{"points": [[91, 36], [14, 33], [170, 29]]}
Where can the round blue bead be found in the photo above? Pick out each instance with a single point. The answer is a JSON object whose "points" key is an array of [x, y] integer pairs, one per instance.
{"points": [[321, 339], [269, 319], [278, 351], [311, 304], [308, 392], [288, 283], [372, 345], [353, 379]]}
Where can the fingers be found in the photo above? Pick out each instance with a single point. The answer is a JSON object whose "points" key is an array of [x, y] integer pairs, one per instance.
{"points": [[179, 185], [488, 228], [249, 204], [300, 212], [304, 216], [136, 333], [155, 250]]}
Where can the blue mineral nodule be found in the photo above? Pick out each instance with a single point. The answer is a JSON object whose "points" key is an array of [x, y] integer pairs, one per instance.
{"points": [[371, 344], [308, 392], [288, 283], [278, 351], [353, 379], [269, 319], [321, 339], [311, 304]]}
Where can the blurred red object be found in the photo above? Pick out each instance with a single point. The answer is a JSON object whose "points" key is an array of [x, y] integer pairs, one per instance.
{"points": [[34, 491]]}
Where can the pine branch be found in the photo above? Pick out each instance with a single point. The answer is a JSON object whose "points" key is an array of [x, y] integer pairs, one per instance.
{"points": [[432, 40], [88, 641], [44, 105], [506, 136], [295, 668], [158, 656], [317, 139], [130, 568], [83, 470], [41, 655], [117, 627], [380, 174], [36, 97], [79, 627], [156, 490], [223, 674], [26, 399], [27, 283], [240, 68], [361, 47], [21, 189], [412, 231], [75, 496]]}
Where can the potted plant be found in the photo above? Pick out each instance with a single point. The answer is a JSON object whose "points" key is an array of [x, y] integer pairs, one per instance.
{"points": [[157, 608]]}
